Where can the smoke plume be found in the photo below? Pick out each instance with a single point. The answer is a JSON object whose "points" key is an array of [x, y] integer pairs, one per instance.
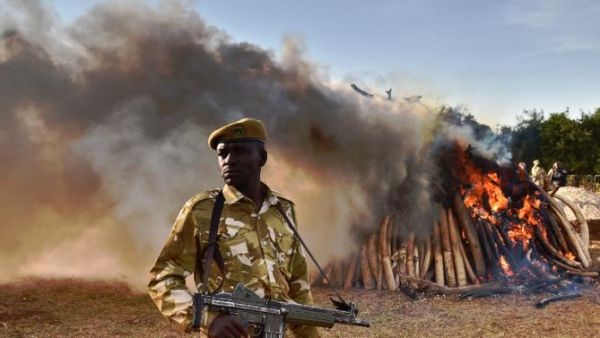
{"points": [[104, 128]]}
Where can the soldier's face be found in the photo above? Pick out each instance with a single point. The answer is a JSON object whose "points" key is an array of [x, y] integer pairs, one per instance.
{"points": [[240, 162]]}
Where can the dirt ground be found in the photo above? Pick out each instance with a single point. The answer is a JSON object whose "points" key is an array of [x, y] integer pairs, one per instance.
{"points": [[76, 308]]}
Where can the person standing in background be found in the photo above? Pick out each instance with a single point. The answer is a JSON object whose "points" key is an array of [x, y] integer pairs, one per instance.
{"points": [[557, 176], [538, 175]]}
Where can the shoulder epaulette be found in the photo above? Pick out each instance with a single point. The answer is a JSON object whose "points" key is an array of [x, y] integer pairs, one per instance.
{"points": [[281, 197], [210, 194]]}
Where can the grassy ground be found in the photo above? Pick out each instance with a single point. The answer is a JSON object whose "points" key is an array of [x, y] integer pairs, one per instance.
{"points": [[75, 308]]}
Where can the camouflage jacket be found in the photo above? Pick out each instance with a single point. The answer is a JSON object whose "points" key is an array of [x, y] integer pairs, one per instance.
{"points": [[538, 175], [257, 247]]}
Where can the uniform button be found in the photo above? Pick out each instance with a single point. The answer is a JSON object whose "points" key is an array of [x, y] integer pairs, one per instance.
{"points": [[228, 254], [264, 242], [276, 295]]}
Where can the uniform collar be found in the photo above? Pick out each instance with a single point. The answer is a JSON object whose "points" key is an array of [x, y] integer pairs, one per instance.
{"points": [[232, 195]]}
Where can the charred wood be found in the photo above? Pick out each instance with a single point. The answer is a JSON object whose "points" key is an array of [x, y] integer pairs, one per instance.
{"points": [[467, 226], [544, 302]]}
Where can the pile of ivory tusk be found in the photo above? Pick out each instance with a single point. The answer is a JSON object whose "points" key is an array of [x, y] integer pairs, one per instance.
{"points": [[460, 252]]}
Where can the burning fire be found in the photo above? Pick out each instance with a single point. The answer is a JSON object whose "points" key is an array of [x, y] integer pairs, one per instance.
{"points": [[505, 266], [485, 189], [513, 210], [494, 226], [521, 233], [530, 210]]}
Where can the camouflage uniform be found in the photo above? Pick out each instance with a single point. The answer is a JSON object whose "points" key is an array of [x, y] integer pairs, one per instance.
{"points": [[538, 175], [258, 249]]}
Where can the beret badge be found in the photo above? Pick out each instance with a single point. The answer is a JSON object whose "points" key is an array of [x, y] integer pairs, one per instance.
{"points": [[238, 132]]}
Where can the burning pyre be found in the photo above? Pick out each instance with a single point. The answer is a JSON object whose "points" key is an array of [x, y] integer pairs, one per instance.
{"points": [[496, 232]]}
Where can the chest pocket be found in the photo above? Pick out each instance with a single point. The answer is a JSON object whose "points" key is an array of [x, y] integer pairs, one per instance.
{"points": [[236, 257], [284, 244]]}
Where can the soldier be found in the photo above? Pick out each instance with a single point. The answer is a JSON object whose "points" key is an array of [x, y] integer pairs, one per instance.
{"points": [[538, 175], [557, 176], [254, 241]]}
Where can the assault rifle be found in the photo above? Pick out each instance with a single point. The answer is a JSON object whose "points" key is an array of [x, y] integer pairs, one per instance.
{"points": [[268, 317]]}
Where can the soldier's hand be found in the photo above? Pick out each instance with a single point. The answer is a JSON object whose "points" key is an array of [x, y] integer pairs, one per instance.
{"points": [[227, 326]]}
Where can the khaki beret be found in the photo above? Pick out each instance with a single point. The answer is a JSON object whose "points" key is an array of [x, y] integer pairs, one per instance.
{"points": [[246, 129]]}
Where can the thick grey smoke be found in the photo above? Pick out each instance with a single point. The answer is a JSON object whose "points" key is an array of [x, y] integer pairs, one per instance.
{"points": [[104, 127]]}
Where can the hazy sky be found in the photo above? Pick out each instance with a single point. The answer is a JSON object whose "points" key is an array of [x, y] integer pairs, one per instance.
{"points": [[496, 57]]}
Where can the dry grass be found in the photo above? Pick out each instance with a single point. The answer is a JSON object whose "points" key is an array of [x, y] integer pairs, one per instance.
{"points": [[76, 308], [503, 316]]}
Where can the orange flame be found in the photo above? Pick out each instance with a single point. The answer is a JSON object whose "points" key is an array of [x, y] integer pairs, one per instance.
{"points": [[519, 220], [570, 256], [486, 187], [483, 187], [527, 212], [505, 266], [521, 233]]}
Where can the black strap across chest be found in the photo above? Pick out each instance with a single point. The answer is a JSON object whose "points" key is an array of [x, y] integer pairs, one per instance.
{"points": [[342, 304], [211, 250], [204, 264]]}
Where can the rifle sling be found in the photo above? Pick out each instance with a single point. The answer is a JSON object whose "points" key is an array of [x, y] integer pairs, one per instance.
{"points": [[210, 252], [343, 305]]}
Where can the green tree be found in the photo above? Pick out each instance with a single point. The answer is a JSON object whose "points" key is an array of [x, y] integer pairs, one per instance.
{"points": [[562, 140], [574, 142], [525, 142], [590, 129]]}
